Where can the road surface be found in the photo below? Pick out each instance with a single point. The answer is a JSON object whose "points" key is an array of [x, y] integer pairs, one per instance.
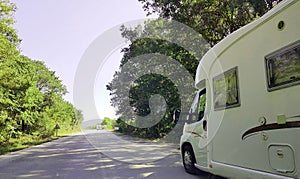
{"points": [[96, 154]]}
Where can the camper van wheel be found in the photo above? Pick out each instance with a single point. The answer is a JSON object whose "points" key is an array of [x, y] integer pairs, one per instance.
{"points": [[189, 161]]}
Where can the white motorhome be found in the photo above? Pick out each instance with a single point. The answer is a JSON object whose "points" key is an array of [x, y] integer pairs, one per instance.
{"points": [[245, 118]]}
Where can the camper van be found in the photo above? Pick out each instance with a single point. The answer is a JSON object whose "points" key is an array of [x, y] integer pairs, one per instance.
{"points": [[245, 118]]}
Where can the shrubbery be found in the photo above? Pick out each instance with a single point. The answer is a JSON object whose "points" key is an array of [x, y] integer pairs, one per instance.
{"points": [[108, 123]]}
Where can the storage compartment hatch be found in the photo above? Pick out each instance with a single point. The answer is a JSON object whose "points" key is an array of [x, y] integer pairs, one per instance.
{"points": [[281, 158]]}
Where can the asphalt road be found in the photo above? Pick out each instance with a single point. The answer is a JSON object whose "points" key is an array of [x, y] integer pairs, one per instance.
{"points": [[96, 154]]}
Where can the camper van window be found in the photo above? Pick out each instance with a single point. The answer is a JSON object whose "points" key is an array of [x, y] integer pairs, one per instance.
{"points": [[283, 68], [226, 90], [196, 111], [192, 116], [201, 104]]}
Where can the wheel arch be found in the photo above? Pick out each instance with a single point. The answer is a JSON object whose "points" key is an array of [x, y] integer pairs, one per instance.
{"points": [[187, 144]]}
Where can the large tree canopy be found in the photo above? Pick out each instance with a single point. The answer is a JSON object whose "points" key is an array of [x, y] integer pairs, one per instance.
{"points": [[31, 95], [143, 87], [214, 19]]}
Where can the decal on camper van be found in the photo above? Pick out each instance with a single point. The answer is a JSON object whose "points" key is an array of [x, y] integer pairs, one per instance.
{"points": [[268, 127]]}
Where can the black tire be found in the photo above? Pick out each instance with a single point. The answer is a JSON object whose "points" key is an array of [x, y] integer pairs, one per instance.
{"points": [[188, 160]]}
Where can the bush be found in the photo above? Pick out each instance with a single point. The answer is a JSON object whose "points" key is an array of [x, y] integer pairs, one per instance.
{"points": [[108, 123]]}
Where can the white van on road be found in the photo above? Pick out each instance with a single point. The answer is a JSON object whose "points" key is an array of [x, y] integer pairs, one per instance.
{"points": [[245, 119]]}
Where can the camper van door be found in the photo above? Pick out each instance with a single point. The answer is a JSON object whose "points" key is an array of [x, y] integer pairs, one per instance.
{"points": [[198, 128]]}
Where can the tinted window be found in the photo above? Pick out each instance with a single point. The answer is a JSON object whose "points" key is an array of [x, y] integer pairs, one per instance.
{"points": [[283, 68], [201, 104], [226, 88], [196, 112]]}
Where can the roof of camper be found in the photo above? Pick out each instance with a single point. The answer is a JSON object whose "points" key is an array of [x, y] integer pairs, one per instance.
{"points": [[231, 39]]}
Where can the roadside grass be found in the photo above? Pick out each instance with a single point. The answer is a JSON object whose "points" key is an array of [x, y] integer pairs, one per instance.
{"points": [[26, 141], [135, 136], [23, 142], [65, 133]]}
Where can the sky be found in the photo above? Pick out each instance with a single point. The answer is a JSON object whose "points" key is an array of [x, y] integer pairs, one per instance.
{"points": [[58, 32]]}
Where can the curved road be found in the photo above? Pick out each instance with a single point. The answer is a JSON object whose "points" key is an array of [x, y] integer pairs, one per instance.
{"points": [[96, 154]]}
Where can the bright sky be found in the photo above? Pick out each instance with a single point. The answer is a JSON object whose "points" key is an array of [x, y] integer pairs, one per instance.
{"points": [[59, 31]]}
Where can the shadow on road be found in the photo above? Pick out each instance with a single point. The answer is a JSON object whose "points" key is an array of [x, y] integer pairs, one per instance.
{"points": [[129, 149], [77, 157]]}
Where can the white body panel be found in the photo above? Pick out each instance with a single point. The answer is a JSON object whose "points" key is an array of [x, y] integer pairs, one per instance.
{"points": [[259, 136]]}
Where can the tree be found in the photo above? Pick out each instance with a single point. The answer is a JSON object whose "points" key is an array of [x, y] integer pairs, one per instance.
{"points": [[213, 19], [7, 9], [10, 84], [31, 95], [144, 87]]}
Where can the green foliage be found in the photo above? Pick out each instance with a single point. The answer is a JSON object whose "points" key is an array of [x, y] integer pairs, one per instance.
{"points": [[7, 10], [144, 87], [213, 19], [108, 123], [31, 95]]}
